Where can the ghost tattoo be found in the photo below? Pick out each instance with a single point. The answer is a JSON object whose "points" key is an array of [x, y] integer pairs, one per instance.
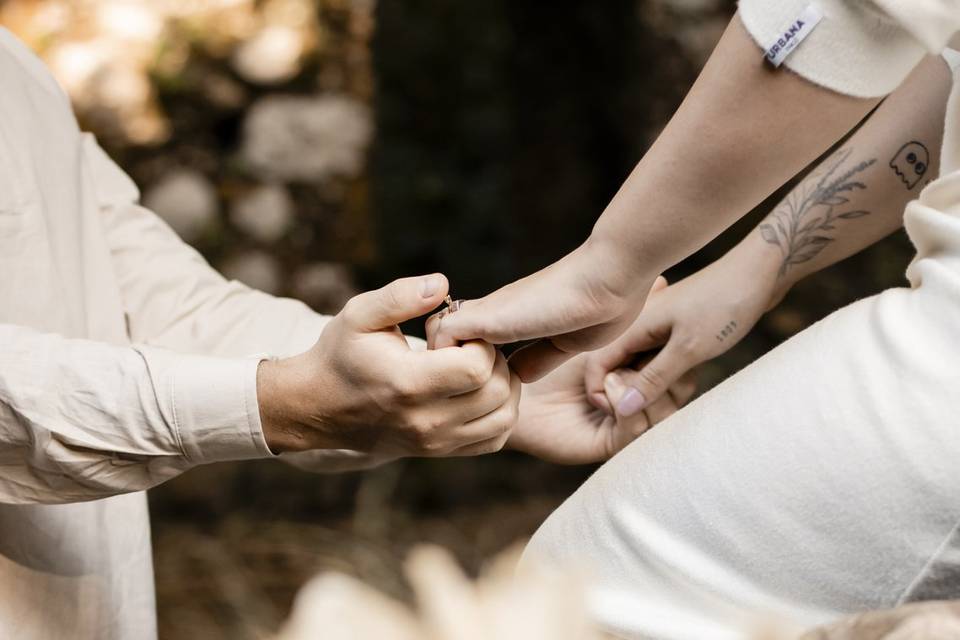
{"points": [[911, 163]]}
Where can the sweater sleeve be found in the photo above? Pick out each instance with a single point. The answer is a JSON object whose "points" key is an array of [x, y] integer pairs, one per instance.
{"points": [[863, 48]]}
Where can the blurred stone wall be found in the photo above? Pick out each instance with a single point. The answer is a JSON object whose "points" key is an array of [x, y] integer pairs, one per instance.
{"points": [[245, 123]]}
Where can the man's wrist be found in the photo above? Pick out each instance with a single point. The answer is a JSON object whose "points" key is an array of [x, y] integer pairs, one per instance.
{"points": [[280, 419]]}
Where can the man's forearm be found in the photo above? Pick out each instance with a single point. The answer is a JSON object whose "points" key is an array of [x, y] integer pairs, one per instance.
{"points": [[742, 131], [857, 195]]}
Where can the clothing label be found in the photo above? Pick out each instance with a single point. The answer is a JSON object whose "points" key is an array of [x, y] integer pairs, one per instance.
{"points": [[793, 35]]}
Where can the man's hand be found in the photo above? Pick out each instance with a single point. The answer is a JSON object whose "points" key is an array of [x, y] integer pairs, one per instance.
{"points": [[578, 304], [557, 423], [361, 387]]}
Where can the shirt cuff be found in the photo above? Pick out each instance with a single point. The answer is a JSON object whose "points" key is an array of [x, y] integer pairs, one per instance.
{"points": [[211, 404], [855, 49]]}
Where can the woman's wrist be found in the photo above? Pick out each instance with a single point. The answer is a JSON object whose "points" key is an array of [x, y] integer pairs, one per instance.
{"points": [[756, 264], [625, 269]]}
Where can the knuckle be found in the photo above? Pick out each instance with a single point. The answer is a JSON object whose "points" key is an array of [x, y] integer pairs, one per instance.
{"points": [[476, 374], [510, 417], [433, 448], [492, 445], [500, 389], [686, 346], [349, 309], [637, 428], [652, 378], [405, 388], [654, 334], [391, 295], [496, 445], [423, 434], [504, 421]]}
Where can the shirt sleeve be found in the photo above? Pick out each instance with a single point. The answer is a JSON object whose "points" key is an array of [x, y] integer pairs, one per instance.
{"points": [[81, 420], [863, 48], [174, 299]]}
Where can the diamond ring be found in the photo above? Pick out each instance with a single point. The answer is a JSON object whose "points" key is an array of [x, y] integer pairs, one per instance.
{"points": [[452, 306]]}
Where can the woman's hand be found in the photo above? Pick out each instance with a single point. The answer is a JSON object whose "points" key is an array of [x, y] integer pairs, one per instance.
{"points": [[557, 423], [717, 158], [690, 322], [578, 304]]}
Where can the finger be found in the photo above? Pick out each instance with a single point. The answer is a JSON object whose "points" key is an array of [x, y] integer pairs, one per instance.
{"points": [[537, 359], [621, 395], [599, 364], [659, 283], [491, 432], [653, 379], [460, 410], [437, 339], [443, 373], [512, 314], [646, 334], [475, 319], [401, 300], [492, 445], [661, 409], [430, 327], [628, 428], [683, 389]]}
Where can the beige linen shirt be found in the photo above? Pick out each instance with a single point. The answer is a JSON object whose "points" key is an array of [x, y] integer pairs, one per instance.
{"points": [[124, 360]]}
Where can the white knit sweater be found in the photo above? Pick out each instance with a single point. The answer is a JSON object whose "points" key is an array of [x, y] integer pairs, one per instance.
{"points": [[866, 48], [861, 47]]}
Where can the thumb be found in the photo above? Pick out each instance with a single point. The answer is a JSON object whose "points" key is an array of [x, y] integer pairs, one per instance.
{"points": [[648, 332], [629, 426], [627, 400], [401, 300], [652, 380]]}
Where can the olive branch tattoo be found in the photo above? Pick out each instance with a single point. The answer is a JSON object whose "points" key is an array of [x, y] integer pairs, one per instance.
{"points": [[800, 226]]}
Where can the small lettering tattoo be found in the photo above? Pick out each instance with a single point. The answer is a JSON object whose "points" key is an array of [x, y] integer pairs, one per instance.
{"points": [[801, 225], [727, 331], [910, 163]]}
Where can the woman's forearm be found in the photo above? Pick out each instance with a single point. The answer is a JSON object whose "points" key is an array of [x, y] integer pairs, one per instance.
{"points": [[742, 131], [856, 196]]}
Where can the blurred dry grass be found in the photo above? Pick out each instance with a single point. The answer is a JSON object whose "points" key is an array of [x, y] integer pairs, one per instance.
{"points": [[237, 578]]}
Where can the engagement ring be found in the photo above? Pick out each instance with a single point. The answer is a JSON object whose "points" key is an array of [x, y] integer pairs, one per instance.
{"points": [[452, 306]]}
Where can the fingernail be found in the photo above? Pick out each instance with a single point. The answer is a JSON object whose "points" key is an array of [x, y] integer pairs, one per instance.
{"points": [[631, 402], [613, 389], [429, 286]]}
